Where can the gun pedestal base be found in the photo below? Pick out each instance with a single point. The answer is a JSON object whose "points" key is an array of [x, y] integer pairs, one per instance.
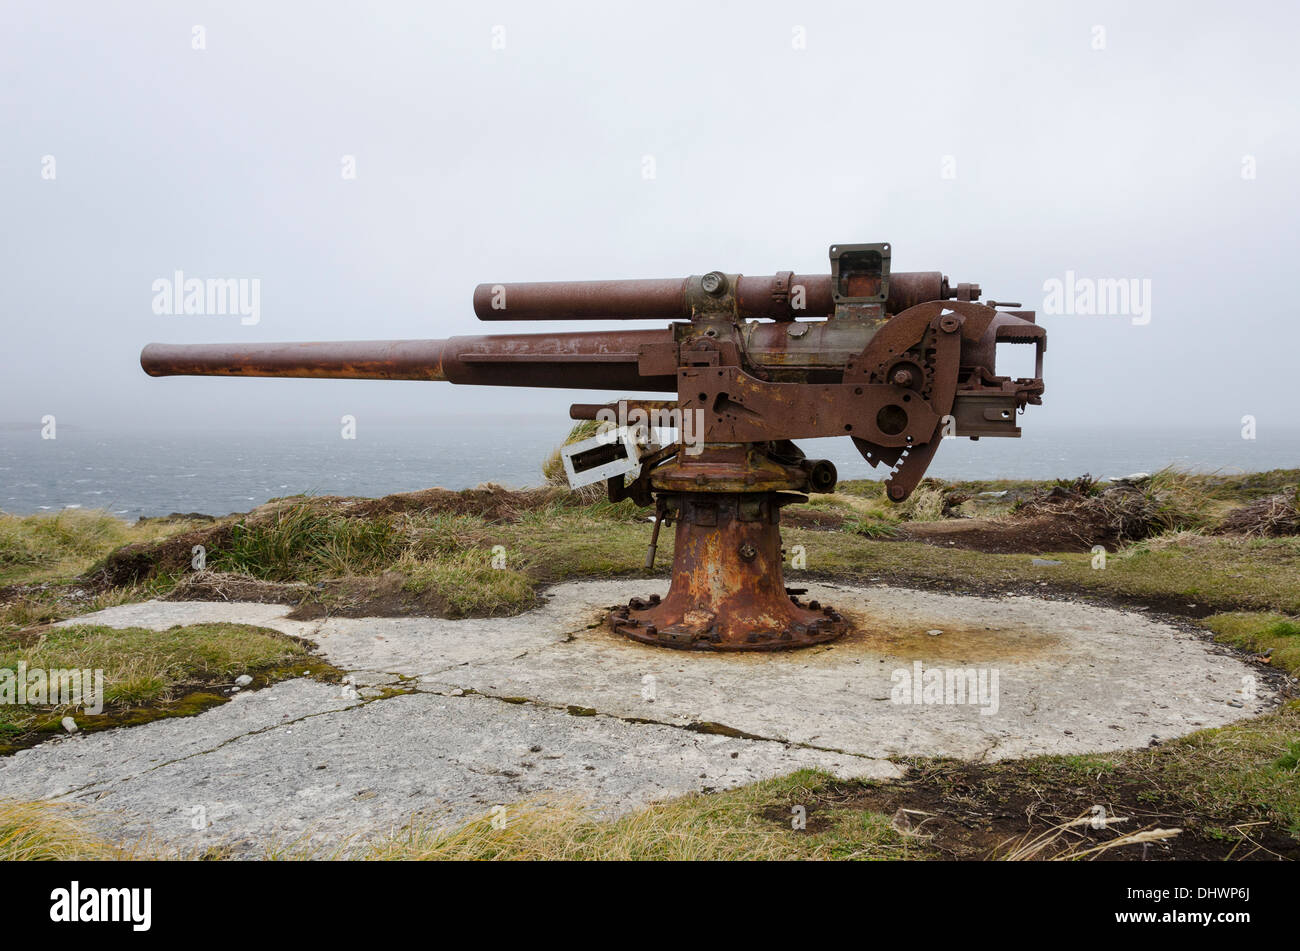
{"points": [[728, 591]]}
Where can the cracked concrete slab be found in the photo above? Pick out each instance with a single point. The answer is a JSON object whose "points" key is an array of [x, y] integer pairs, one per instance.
{"points": [[1072, 678], [100, 760], [340, 773], [549, 702]]}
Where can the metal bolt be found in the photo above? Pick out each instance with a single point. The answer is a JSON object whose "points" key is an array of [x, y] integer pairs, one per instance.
{"points": [[715, 283], [903, 377], [748, 552]]}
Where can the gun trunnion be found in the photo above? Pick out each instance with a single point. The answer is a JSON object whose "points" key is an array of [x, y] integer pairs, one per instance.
{"points": [[896, 362]]}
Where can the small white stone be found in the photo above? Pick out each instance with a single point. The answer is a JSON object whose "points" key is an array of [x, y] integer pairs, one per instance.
{"points": [[243, 680], [70, 725], [934, 633]]}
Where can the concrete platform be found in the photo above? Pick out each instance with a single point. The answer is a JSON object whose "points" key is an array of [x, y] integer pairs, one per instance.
{"points": [[498, 710]]}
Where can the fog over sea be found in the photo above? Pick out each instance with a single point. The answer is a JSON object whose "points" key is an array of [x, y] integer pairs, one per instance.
{"points": [[131, 473]]}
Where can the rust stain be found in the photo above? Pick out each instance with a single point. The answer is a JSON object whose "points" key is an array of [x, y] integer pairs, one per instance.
{"points": [[961, 641]]}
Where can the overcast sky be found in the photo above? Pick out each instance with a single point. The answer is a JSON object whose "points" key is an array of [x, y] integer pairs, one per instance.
{"points": [[1000, 143]]}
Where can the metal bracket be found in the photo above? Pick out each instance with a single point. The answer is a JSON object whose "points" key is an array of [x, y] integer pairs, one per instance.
{"points": [[607, 455], [860, 279]]}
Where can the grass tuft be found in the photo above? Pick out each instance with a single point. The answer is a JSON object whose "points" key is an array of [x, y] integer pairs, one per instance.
{"points": [[870, 527], [50, 832], [472, 581], [300, 542]]}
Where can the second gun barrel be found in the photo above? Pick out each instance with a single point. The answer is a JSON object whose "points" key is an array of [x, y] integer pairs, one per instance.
{"points": [[779, 297]]}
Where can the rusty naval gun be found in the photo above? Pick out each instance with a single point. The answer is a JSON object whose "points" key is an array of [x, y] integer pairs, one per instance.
{"points": [[895, 361]]}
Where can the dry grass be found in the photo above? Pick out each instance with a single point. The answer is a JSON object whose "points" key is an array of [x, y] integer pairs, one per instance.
{"points": [[443, 533], [1062, 842], [208, 585], [1167, 502], [51, 832], [1271, 516], [1178, 499], [724, 826], [1176, 539], [926, 504]]}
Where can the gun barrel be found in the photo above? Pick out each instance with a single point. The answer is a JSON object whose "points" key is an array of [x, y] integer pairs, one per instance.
{"points": [[601, 360], [336, 360], [667, 298]]}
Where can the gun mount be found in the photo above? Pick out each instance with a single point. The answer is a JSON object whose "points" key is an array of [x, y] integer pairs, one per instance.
{"points": [[897, 362]]}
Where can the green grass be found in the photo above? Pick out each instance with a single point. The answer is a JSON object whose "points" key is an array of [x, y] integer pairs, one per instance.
{"points": [[566, 540], [870, 527], [1289, 762], [453, 564], [37, 548], [141, 666], [1260, 631], [301, 543], [1231, 769], [1227, 572], [308, 540], [472, 581]]}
